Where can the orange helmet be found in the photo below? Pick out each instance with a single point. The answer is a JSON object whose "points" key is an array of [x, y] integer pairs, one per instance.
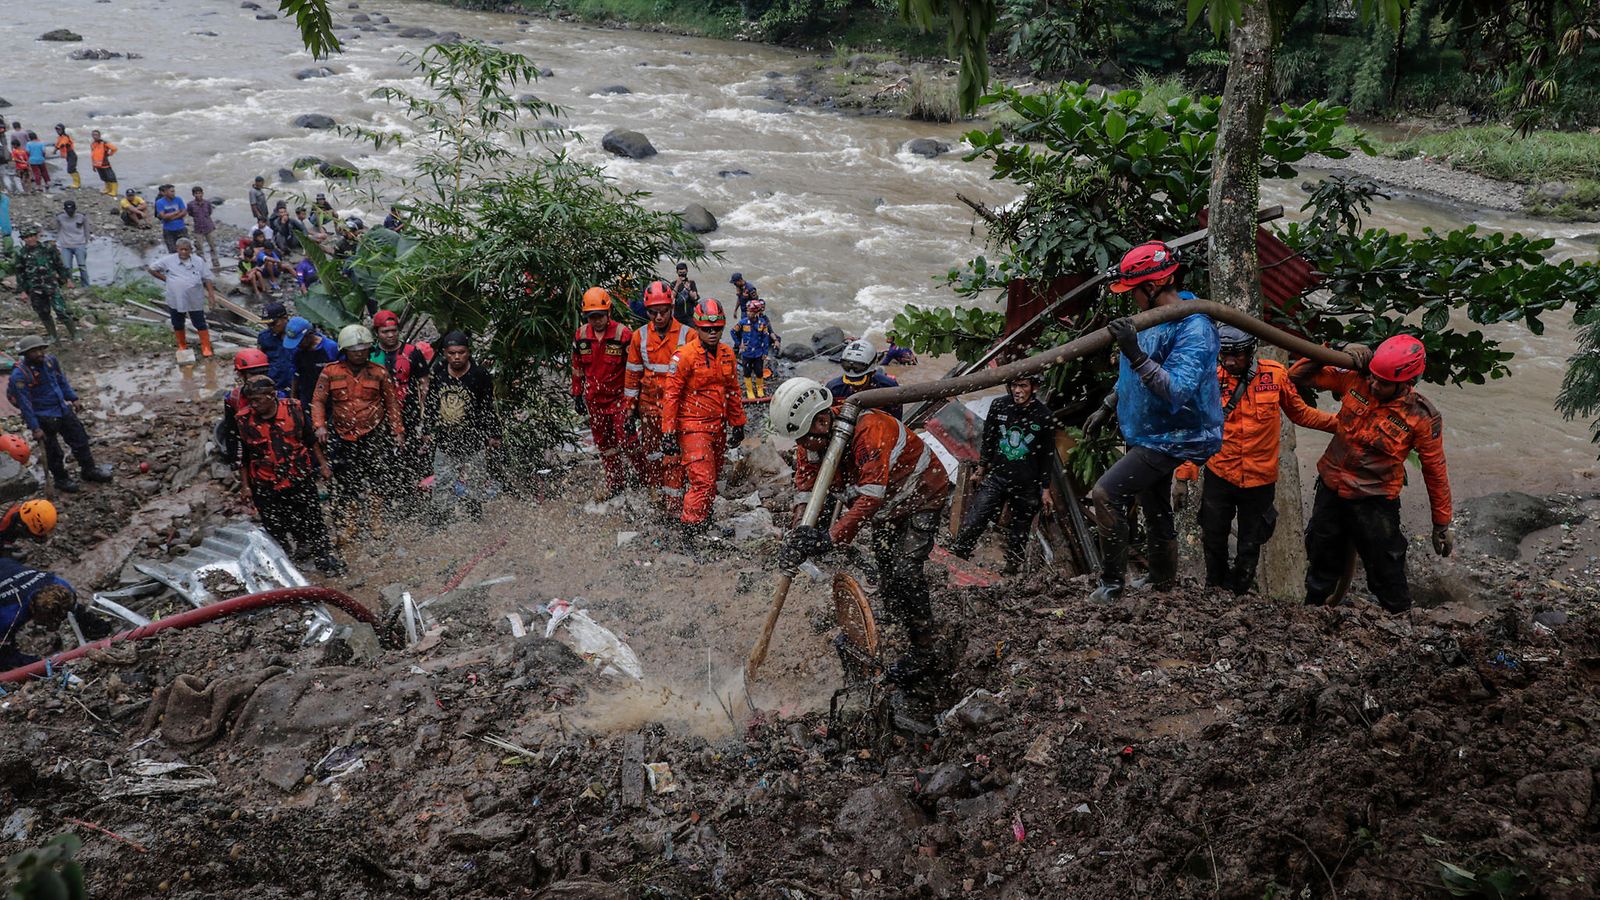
{"points": [[709, 312], [16, 447], [596, 299], [657, 294], [38, 516]]}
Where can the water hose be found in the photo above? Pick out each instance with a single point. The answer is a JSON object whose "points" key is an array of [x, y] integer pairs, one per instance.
{"points": [[1098, 341], [210, 613]]}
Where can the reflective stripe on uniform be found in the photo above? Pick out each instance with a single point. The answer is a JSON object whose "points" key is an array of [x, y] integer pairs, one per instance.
{"points": [[631, 367], [630, 392]]}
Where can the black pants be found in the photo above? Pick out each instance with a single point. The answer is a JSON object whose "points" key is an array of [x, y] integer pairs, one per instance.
{"points": [[994, 495], [1141, 474], [1372, 527], [68, 427], [1221, 501], [107, 174], [901, 547], [171, 238], [45, 309], [196, 316], [295, 513], [360, 466]]}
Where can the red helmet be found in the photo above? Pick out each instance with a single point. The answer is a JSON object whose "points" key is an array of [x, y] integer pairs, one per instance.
{"points": [[657, 294], [1150, 261], [756, 306], [709, 312], [1400, 358], [249, 359]]}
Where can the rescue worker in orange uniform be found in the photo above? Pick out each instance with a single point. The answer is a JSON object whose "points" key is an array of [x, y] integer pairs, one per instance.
{"points": [[1242, 478], [700, 404], [281, 459], [891, 483], [247, 364], [32, 519], [353, 405], [599, 375], [1381, 420], [649, 359]]}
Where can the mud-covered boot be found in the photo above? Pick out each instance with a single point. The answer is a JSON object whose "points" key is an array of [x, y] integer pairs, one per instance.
{"points": [[1242, 580], [1163, 575], [98, 474], [1107, 592]]}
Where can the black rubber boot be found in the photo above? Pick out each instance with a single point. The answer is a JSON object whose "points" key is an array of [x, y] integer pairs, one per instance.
{"points": [[1163, 575]]}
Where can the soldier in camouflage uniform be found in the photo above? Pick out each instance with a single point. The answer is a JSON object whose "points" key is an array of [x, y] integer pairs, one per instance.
{"points": [[40, 275]]}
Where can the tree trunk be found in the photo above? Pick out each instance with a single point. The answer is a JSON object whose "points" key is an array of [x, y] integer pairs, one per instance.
{"points": [[1235, 268]]}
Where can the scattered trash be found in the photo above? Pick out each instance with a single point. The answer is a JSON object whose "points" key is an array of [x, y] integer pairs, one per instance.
{"points": [[662, 781], [1504, 660], [497, 741], [147, 778], [623, 537], [517, 628], [594, 642], [1017, 831], [339, 762], [19, 825]]}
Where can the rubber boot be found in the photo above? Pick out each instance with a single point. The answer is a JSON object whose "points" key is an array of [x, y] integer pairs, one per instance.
{"points": [[1242, 580], [1113, 564], [205, 343], [99, 474], [1163, 575], [72, 327], [111, 189], [749, 389], [761, 387], [76, 181], [182, 338]]}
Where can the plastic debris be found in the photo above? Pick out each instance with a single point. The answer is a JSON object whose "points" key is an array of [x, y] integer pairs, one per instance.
{"points": [[147, 777], [517, 629], [662, 781], [598, 646]]}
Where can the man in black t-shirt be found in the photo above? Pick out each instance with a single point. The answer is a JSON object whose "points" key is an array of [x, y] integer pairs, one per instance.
{"points": [[460, 424], [685, 296], [1019, 437]]}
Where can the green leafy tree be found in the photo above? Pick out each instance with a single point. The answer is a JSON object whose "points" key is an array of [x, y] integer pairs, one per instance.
{"points": [[1580, 388]]}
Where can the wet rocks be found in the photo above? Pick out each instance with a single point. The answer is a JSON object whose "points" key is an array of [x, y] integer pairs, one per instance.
{"points": [[880, 815], [4, 103], [265, 16], [480, 836], [979, 710], [416, 32], [101, 54], [631, 144], [610, 90], [315, 72], [316, 121], [797, 352], [1495, 524], [927, 148], [16, 481], [1560, 799], [248, 5], [287, 176], [61, 35], [284, 773], [361, 17], [731, 173], [698, 219], [828, 340]]}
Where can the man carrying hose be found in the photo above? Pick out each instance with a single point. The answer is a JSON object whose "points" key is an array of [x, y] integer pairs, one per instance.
{"points": [[1170, 408], [1381, 420], [649, 359], [892, 482], [700, 404], [1242, 479]]}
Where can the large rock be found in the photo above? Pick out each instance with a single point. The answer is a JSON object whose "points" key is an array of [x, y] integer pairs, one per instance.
{"points": [[631, 144], [60, 34], [417, 32], [315, 72], [313, 120], [698, 219], [4, 103], [1495, 524], [731, 173], [16, 481], [926, 147], [828, 340], [797, 352], [611, 89], [361, 17], [880, 815], [287, 176], [99, 54], [336, 167]]}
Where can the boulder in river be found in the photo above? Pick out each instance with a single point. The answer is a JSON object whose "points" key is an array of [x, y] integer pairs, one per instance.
{"points": [[448, 37], [361, 17], [336, 167], [305, 162], [248, 5], [546, 72], [4, 103], [60, 34], [828, 340], [795, 351], [314, 72], [265, 16], [926, 147], [731, 173], [381, 20], [528, 99], [631, 144], [698, 219], [1495, 524], [287, 176], [417, 32], [92, 54], [611, 89], [316, 121]]}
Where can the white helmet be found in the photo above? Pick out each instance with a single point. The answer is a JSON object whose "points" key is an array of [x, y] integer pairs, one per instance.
{"points": [[352, 336], [858, 358], [795, 404]]}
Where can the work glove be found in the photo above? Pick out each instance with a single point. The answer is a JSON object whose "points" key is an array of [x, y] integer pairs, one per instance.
{"points": [[803, 543], [1443, 540], [1100, 418], [737, 436], [1361, 354], [1127, 339], [669, 445]]}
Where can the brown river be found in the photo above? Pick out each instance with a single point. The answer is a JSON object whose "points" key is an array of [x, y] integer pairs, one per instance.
{"points": [[834, 222]]}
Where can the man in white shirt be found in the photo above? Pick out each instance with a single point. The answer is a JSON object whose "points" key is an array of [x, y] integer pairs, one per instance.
{"points": [[188, 287]]}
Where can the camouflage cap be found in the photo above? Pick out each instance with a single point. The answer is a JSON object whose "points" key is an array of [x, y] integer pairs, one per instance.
{"points": [[28, 231]]}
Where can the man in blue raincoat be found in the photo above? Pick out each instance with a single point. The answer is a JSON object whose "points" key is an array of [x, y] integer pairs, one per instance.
{"points": [[1170, 408], [29, 595]]}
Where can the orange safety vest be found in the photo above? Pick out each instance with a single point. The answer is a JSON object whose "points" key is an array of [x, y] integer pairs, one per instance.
{"points": [[361, 400], [889, 472], [276, 456], [649, 360], [1367, 456], [64, 144], [100, 152], [701, 393], [1249, 454]]}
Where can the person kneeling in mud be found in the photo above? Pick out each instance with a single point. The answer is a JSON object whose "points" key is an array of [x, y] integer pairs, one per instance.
{"points": [[30, 595]]}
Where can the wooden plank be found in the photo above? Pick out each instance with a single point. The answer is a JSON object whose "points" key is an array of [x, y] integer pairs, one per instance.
{"points": [[633, 770]]}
